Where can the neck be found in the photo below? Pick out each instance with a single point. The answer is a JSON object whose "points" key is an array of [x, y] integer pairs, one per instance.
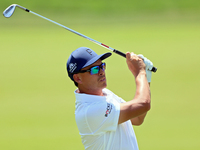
{"points": [[90, 92]]}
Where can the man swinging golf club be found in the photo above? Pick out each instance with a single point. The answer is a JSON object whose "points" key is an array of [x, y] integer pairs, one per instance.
{"points": [[105, 120]]}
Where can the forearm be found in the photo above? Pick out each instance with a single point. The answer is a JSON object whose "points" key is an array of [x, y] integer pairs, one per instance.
{"points": [[142, 89], [139, 119]]}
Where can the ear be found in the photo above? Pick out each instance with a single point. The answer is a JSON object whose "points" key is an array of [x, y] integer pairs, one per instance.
{"points": [[77, 78]]}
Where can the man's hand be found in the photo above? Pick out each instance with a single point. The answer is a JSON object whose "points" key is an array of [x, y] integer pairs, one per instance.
{"points": [[135, 63], [149, 66]]}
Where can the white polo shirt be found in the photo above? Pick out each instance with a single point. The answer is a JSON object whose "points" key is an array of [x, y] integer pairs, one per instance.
{"points": [[97, 121]]}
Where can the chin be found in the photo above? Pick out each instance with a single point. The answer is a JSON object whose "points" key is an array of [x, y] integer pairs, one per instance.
{"points": [[104, 85]]}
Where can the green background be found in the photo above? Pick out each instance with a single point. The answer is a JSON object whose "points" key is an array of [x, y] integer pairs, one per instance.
{"points": [[37, 102]]}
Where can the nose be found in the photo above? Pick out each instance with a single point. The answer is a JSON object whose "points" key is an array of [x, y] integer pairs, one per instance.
{"points": [[101, 72]]}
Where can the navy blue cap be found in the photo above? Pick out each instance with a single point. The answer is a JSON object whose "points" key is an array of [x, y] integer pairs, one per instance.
{"points": [[81, 58]]}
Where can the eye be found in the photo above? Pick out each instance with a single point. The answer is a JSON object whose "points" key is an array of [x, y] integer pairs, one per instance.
{"points": [[94, 70]]}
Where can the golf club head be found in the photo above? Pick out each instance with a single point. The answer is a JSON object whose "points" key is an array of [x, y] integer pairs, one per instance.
{"points": [[9, 11]]}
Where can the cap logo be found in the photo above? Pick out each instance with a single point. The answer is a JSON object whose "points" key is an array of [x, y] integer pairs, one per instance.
{"points": [[89, 51], [72, 67]]}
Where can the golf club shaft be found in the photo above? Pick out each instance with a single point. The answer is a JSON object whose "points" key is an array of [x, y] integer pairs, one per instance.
{"points": [[99, 43], [154, 69]]}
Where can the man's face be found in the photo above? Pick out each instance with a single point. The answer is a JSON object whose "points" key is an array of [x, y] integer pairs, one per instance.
{"points": [[92, 83]]}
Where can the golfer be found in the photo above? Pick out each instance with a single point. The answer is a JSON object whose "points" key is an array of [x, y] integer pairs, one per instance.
{"points": [[105, 120]]}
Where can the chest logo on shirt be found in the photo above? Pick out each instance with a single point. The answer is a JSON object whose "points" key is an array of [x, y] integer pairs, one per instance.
{"points": [[108, 111]]}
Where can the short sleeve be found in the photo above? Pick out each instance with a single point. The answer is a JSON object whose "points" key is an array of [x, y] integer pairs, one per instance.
{"points": [[102, 117]]}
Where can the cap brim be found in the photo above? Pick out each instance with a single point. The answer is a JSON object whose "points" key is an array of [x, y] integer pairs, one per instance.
{"points": [[93, 60]]}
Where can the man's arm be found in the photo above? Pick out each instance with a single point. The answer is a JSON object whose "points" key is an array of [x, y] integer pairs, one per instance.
{"points": [[140, 104], [140, 119]]}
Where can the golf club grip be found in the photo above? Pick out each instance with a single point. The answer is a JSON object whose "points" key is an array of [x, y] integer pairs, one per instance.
{"points": [[119, 53], [154, 69]]}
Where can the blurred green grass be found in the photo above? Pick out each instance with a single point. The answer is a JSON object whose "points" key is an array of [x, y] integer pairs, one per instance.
{"points": [[105, 7], [36, 96]]}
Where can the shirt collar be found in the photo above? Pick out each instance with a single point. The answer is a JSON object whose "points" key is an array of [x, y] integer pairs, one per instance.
{"points": [[81, 97]]}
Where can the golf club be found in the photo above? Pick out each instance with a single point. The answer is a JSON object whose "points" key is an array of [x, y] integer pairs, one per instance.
{"points": [[10, 10]]}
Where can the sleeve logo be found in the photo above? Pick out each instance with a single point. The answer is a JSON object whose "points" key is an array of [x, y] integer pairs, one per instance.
{"points": [[108, 109]]}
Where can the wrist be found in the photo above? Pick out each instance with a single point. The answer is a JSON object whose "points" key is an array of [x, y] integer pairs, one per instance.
{"points": [[142, 74]]}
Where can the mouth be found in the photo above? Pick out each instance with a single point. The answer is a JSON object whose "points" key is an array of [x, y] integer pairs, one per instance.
{"points": [[102, 79]]}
